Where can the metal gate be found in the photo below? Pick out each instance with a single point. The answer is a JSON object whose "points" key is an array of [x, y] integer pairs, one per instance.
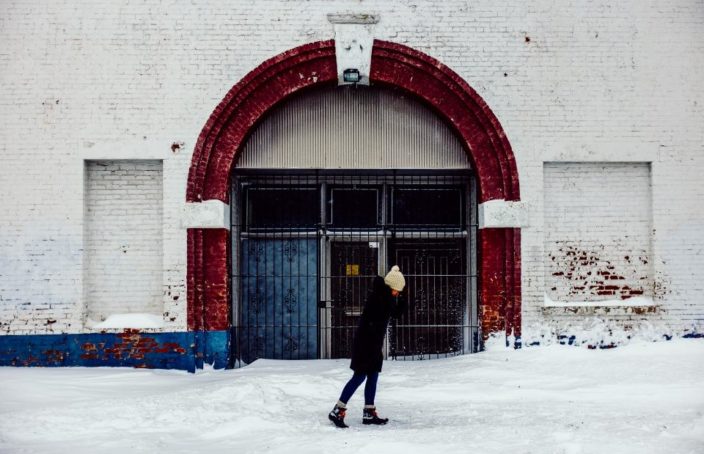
{"points": [[436, 276], [353, 266], [307, 246], [279, 299]]}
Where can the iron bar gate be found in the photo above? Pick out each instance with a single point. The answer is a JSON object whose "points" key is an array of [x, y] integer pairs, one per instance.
{"points": [[307, 245]]}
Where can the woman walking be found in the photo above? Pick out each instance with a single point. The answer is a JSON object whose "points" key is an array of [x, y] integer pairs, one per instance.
{"points": [[367, 357]]}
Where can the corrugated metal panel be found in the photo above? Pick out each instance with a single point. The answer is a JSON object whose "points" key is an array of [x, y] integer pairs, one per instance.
{"points": [[353, 128]]}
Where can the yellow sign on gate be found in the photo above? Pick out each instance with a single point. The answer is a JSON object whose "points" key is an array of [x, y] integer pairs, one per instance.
{"points": [[352, 270]]}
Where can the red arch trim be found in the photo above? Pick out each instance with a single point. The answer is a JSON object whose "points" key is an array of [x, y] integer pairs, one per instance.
{"points": [[246, 103], [227, 129], [314, 64], [461, 106]]}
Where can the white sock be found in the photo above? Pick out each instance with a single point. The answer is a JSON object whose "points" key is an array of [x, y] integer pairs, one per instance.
{"points": [[341, 404]]}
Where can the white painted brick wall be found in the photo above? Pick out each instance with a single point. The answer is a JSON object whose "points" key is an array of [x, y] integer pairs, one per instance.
{"points": [[123, 233], [585, 81], [598, 231]]}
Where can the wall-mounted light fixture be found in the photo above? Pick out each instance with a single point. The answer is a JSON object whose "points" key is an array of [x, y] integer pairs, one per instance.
{"points": [[351, 75], [354, 39]]}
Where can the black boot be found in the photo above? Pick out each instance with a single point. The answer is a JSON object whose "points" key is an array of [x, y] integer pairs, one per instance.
{"points": [[370, 417], [337, 416]]}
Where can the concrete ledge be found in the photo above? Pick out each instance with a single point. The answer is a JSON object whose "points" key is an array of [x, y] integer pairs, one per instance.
{"points": [[352, 18], [503, 214], [550, 311], [208, 214]]}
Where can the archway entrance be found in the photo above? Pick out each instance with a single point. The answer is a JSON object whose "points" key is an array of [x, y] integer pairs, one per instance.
{"points": [[332, 188], [224, 136]]}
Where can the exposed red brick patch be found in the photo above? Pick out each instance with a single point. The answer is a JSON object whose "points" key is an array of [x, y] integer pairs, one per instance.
{"points": [[132, 344], [585, 273], [54, 356]]}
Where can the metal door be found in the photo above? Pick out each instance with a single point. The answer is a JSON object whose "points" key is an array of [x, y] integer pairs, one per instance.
{"points": [[279, 299], [353, 266], [436, 276]]}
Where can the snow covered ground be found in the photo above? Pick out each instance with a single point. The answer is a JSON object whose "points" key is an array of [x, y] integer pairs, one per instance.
{"points": [[640, 398]]}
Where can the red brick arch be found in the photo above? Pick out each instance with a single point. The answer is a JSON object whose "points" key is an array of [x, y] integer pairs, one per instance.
{"points": [[224, 134]]}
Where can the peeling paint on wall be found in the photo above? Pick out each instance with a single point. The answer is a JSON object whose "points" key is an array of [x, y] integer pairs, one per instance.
{"points": [[131, 348], [588, 274]]}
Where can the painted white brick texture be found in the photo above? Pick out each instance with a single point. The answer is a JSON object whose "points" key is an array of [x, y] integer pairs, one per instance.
{"points": [[597, 81], [123, 238]]}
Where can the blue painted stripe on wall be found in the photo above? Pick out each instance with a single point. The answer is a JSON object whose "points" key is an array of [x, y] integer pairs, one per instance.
{"points": [[212, 347], [173, 350]]}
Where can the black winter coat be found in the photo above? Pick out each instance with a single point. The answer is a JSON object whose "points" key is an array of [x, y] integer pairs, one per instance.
{"points": [[367, 356]]}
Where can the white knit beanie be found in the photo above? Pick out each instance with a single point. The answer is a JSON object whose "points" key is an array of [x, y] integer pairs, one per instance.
{"points": [[395, 279]]}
